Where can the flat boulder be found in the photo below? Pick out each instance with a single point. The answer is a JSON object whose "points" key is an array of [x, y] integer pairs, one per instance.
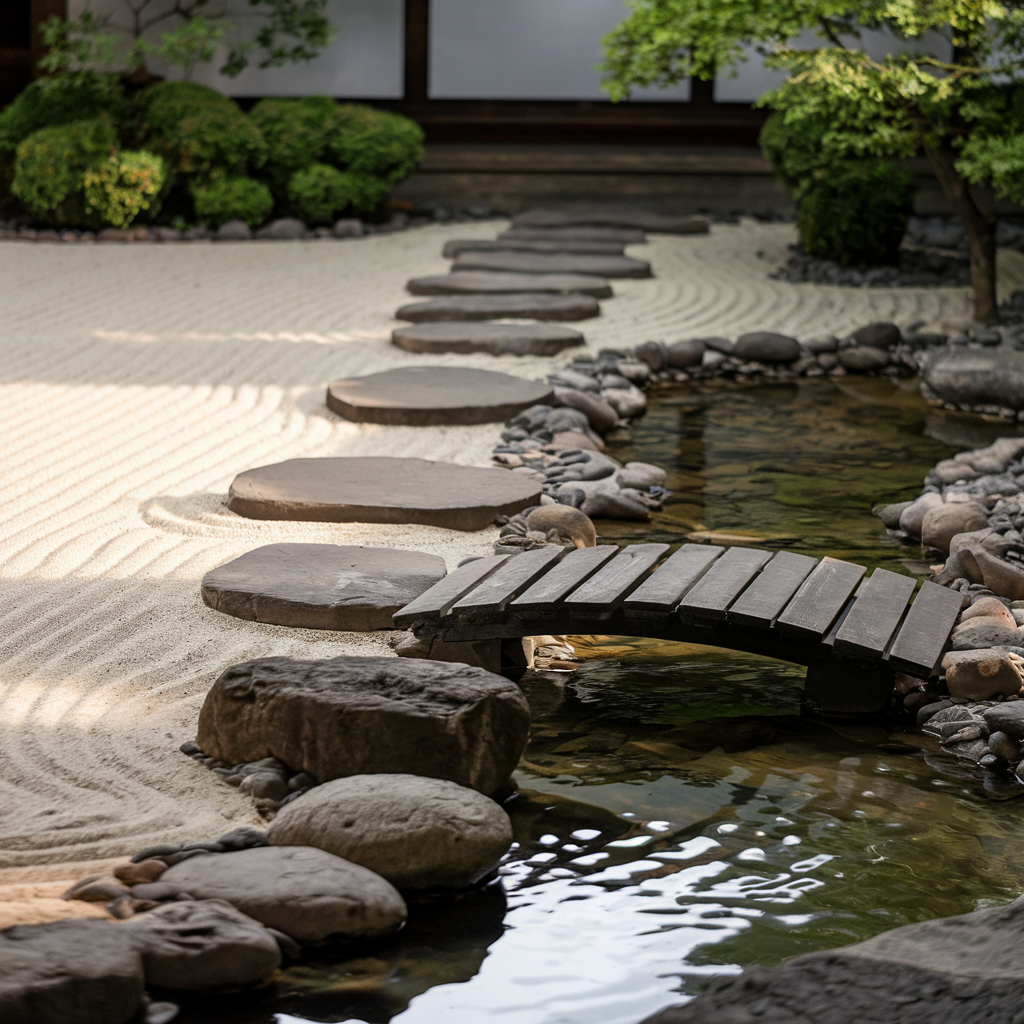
{"points": [[601, 416], [686, 353], [766, 347], [640, 219], [495, 339], [863, 359], [554, 263], [418, 833], [983, 674], [531, 305], [985, 631], [203, 945], [363, 716], [577, 233], [971, 376], [456, 246], [485, 282], [943, 522], [430, 396], [380, 490], [284, 229], [70, 972], [881, 335], [321, 586]]}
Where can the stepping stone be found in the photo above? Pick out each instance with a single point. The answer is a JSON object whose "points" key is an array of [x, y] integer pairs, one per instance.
{"points": [[429, 396], [481, 282], [321, 586], [381, 490], [553, 263], [460, 245], [623, 236], [640, 219], [497, 339], [521, 306]]}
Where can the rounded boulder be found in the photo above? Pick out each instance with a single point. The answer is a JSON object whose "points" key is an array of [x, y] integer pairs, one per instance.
{"points": [[943, 522], [766, 347]]}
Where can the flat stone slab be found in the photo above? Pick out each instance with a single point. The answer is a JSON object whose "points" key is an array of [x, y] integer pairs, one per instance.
{"points": [[321, 586], [643, 220], [975, 376], [460, 245], [381, 490], [497, 339], [553, 263], [524, 306], [429, 396], [580, 233], [481, 282]]}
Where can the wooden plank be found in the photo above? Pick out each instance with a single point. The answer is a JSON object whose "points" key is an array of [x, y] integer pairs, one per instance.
{"points": [[820, 599], [665, 587], [613, 583], [875, 617], [922, 638], [708, 600], [548, 592], [494, 593], [760, 604], [433, 603]]}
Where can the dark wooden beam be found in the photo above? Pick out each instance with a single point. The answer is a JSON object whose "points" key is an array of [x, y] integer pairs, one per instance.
{"points": [[417, 50]]}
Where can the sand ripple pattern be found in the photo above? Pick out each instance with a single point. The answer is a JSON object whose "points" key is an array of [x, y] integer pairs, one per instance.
{"points": [[135, 382]]}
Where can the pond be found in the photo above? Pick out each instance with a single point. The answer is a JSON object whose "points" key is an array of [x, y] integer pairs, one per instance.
{"points": [[677, 816]]}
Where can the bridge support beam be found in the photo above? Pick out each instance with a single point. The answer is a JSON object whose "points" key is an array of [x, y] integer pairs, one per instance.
{"points": [[848, 688]]}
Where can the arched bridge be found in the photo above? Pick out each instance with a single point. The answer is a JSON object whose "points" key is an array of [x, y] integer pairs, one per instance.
{"points": [[853, 631]]}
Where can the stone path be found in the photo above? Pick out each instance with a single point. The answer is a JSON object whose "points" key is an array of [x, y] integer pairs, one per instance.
{"points": [[482, 282], [553, 263], [638, 219], [579, 233], [538, 339], [535, 305], [504, 244]]}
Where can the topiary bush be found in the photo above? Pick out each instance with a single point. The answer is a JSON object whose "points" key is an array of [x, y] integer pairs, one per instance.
{"points": [[375, 142], [319, 193], [237, 198], [295, 131], [119, 189]]}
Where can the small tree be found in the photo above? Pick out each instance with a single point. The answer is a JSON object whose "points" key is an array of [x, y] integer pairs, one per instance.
{"points": [[953, 89]]}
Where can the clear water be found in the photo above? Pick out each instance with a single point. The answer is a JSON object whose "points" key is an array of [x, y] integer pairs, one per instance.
{"points": [[677, 817]]}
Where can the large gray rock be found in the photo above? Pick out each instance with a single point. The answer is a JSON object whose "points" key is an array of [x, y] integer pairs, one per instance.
{"points": [[881, 335], [683, 354], [418, 833], [233, 231], [532, 305], [361, 716], [949, 971], [863, 358], [70, 972], [484, 282], [942, 523], [601, 415], [1007, 718], [553, 263], [496, 339], [766, 347], [975, 376], [202, 945], [321, 586], [983, 674], [284, 229], [912, 517], [306, 893]]}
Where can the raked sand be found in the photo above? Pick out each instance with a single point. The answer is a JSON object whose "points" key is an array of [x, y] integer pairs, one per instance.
{"points": [[136, 381]]}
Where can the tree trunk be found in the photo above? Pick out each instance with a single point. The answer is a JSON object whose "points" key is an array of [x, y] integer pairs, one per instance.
{"points": [[981, 233]]}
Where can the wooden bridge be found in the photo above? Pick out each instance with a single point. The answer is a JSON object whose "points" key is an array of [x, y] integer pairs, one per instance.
{"points": [[853, 632]]}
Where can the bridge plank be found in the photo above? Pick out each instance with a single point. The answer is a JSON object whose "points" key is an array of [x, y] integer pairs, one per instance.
{"points": [[922, 639], [760, 604], [436, 601], [511, 579], [602, 594], [709, 598], [578, 566], [875, 617], [820, 599], [668, 584]]}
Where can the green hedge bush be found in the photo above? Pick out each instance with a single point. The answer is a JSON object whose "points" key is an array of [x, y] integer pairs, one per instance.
{"points": [[123, 186], [295, 131], [319, 193], [237, 198], [375, 142]]}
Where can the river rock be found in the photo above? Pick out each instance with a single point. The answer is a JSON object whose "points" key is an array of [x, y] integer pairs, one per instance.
{"points": [[416, 832], [321, 586], [496, 339], [1004, 746], [989, 608], [284, 229], [553, 263], [983, 674], [641, 476], [601, 415], [653, 353], [70, 972], [999, 576], [380, 490], [570, 524], [640, 219], [1007, 718], [862, 359], [348, 227], [202, 945], [943, 522], [573, 380], [684, 354], [881, 335], [627, 402], [528, 305], [975, 376], [233, 231], [985, 631], [483, 282], [890, 514], [766, 347], [614, 505], [358, 716], [308, 894], [912, 517]]}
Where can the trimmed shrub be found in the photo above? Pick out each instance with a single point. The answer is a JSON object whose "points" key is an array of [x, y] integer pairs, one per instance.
{"points": [[794, 151], [236, 198], [857, 215], [375, 142], [51, 102], [118, 190], [319, 193], [295, 131], [50, 169]]}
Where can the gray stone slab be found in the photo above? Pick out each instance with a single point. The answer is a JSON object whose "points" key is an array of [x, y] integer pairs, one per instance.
{"points": [[483, 282], [381, 490], [497, 339], [321, 586], [627, 236], [428, 396], [553, 263], [457, 246], [640, 219], [526, 306]]}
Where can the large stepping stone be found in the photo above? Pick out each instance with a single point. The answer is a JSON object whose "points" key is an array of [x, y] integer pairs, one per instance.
{"points": [[430, 396], [480, 282], [624, 236], [497, 339], [321, 586], [553, 263], [460, 245], [522, 306], [643, 220], [381, 490]]}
